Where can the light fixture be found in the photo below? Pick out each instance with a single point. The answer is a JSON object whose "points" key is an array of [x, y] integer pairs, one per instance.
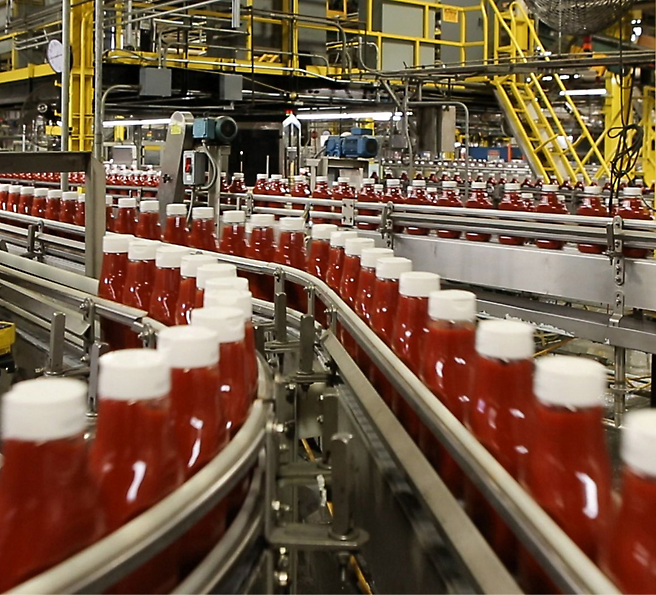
{"points": [[324, 116], [150, 122], [583, 92]]}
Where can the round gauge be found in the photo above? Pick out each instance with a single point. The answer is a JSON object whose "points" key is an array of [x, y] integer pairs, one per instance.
{"points": [[55, 55]]}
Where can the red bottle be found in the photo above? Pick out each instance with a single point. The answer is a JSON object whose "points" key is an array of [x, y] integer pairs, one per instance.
{"points": [[4, 194], [260, 189], [319, 256], [13, 198], [237, 186], [25, 200], [336, 257], [550, 203], [53, 205], [228, 323], [45, 487], [394, 194], [568, 470], [125, 220], [233, 233], [166, 285], [409, 334], [629, 556], [109, 213], [80, 210], [291, 252], [133, 456], [527, 198], [219, 294], [187, 294], [175, 231], [224, 186], [300, 189], [202, 235], [512, 201], [275, 188], [478, 199], [591, 206], [343, 191], [67, 208], [368, 194], [348, 287], [39, 202], [206, 272], [199, 425], [499, 416], [386, 295], [138, 286], [321, 191], [632, 207], [417, 196], [261, 247], [447, 365], [111, 283], [148, 226], [448, 198], [366, 279]]}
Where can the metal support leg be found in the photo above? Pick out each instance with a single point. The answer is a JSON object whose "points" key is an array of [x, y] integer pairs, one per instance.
{"points": [[55, 365], [619, 388]]}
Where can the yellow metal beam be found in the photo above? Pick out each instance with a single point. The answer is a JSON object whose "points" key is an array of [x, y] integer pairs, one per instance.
{"points": [[31, 71]]}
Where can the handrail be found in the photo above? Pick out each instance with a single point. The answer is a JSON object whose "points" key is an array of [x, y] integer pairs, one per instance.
{"points": [[101, 565]]}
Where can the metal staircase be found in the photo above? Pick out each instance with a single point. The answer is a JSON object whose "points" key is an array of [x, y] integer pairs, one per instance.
{"points": [[533, 119]]}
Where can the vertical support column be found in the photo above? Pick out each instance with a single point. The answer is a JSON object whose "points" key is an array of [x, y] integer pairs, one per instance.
{"points": [[619, 388], [65, 81], [97, 80], [95, 218]]}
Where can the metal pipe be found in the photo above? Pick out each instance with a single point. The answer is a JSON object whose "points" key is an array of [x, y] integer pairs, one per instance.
{"points": [[65, 82], [99, 108], [98, 96]]}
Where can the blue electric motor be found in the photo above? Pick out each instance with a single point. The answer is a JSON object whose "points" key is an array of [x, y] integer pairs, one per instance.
{"points": [[360, 144]]}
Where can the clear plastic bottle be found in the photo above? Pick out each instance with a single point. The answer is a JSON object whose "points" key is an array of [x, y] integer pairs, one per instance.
{"points": [[261, 247], [448, 198], [512, 201], [291, 252], [109, 213], [148, 226], [67, 207], [202, 235], [260, 190], [133, 456], [233, 233], [206, 272], [13, 198], [348, 288], [336, 257], [478, 199], [550, 203], [417, 196], [80, 209], [319, 256], [175, 231], [166, 284], [125, 219], [187, 294], [591, 206], [368, 194], [237, 185], [25, 200], [322, 191], [138, 286], [53, 206], [4, 194], [632, 207], [45, 486], [300, 189], [38, 206]]}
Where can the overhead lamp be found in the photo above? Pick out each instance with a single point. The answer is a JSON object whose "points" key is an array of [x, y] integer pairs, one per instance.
{"points": [[583, 92], [323, 116], [126, 122]]}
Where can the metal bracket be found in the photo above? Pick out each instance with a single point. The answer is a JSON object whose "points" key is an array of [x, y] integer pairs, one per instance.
{"points": [[55, 364], [250, 203], [98, 348], [35, 247], [348, 212], [386, 225], [618, 262], [147, 336]]}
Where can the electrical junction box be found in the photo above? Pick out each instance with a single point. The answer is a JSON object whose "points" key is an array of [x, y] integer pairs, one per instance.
{"points": [[155, 82], [194, 167]]}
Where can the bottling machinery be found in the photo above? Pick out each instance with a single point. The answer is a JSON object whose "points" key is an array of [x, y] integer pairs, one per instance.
{"points": [[340, 496]]}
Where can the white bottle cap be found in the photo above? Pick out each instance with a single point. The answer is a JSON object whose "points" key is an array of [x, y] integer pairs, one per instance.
{"points": [[370, 256], [170, 257], [116, 243], [216, 269], [393, 183], [510, 186], [338, 238], [29, 190], [175, 209], [505, 339], [69, 195], [5, 188], [149, 206], [109, 200], [355, 246], [367, 181], [632, 191], [322, 179], [452, 304], [300, 179], [261, 176], [594, 190], [293, 224], [417, 283], [378, 187], [480, 185], [204, 213], [133, 375], [343, 180], [54, 193], [16, 188], [44, 409], [323, 231], [191, 262], [142, 250], [227, 323], [449, 184], [237, 176], [188, 346], [226, 283], [526, 196], [568, 381], [419, 183], [38, 191], [391, 267], [639, 441], [231, 298], [127, 203], [276, 176], [262, 220], [234, 217], [550, 188], [81, 197]]}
